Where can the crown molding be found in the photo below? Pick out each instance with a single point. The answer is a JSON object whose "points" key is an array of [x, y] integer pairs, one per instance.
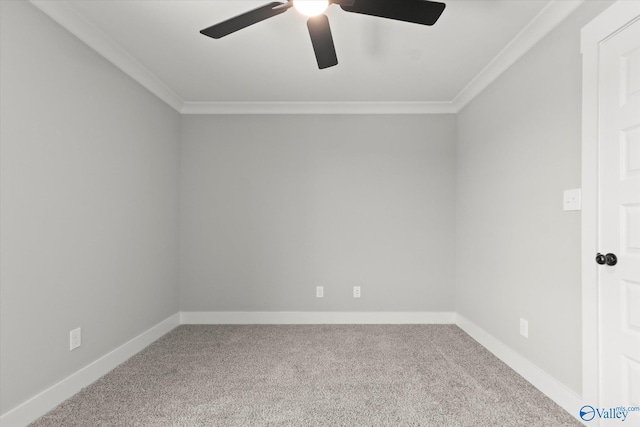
{"points": [[317, 108], [553, 14], [68, 18]]}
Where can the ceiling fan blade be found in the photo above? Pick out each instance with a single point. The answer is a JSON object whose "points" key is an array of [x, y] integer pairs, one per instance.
{"points": [[322, 41], [246, 19], [417, 11], [342, 2]]}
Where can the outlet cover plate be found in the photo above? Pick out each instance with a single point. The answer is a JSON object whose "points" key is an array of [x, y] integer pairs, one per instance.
{"points": [[524, 328], [572, 200], [75, 339]]}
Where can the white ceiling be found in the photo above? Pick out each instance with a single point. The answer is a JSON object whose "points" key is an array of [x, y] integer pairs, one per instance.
{"points": [[380, 60]]}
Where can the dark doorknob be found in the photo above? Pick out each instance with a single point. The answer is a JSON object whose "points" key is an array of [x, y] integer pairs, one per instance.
{"points": [[612, 259], [609, 259]]}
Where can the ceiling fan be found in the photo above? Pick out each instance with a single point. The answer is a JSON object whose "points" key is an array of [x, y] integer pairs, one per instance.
{"points": [[416, 11]]}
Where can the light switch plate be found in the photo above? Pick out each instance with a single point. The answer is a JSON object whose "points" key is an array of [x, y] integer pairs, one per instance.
{"points": [[572, 200]]}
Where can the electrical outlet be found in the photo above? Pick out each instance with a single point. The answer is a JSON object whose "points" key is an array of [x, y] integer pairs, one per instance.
{"points": [[356, 291], [572, 200], [319, 291], [524, 328], [75, 339]]}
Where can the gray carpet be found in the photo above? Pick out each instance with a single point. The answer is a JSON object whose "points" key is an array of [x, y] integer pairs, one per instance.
{"points": [[311, 375]]}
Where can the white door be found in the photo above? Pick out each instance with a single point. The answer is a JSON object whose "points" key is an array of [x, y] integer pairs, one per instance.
{"points": [[619, 219]]}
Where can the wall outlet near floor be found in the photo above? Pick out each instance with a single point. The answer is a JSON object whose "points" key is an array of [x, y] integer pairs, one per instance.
{"points": [[75, 339], [356, 291], [319, 291], [524, 328], [572, 200]]}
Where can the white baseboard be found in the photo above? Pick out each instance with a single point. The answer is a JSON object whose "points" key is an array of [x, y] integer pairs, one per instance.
{"points": [[58, 393], [48, 399], [544, 382], [313, 317]]}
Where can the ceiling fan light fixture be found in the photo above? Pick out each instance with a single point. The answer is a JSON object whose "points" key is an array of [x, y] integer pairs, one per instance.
{"points": [[424, 12], [311, 7]]}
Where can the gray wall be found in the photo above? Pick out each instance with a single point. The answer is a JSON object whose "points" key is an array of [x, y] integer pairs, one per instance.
{"points": [[272, 206], [518, 252], [89, 164]]}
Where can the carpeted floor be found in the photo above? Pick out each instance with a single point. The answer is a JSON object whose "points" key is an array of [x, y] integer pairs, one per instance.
{"points": [[311, 375]]}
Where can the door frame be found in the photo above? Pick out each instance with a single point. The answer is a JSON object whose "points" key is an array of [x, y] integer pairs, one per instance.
{"points": [[614, 19]]}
